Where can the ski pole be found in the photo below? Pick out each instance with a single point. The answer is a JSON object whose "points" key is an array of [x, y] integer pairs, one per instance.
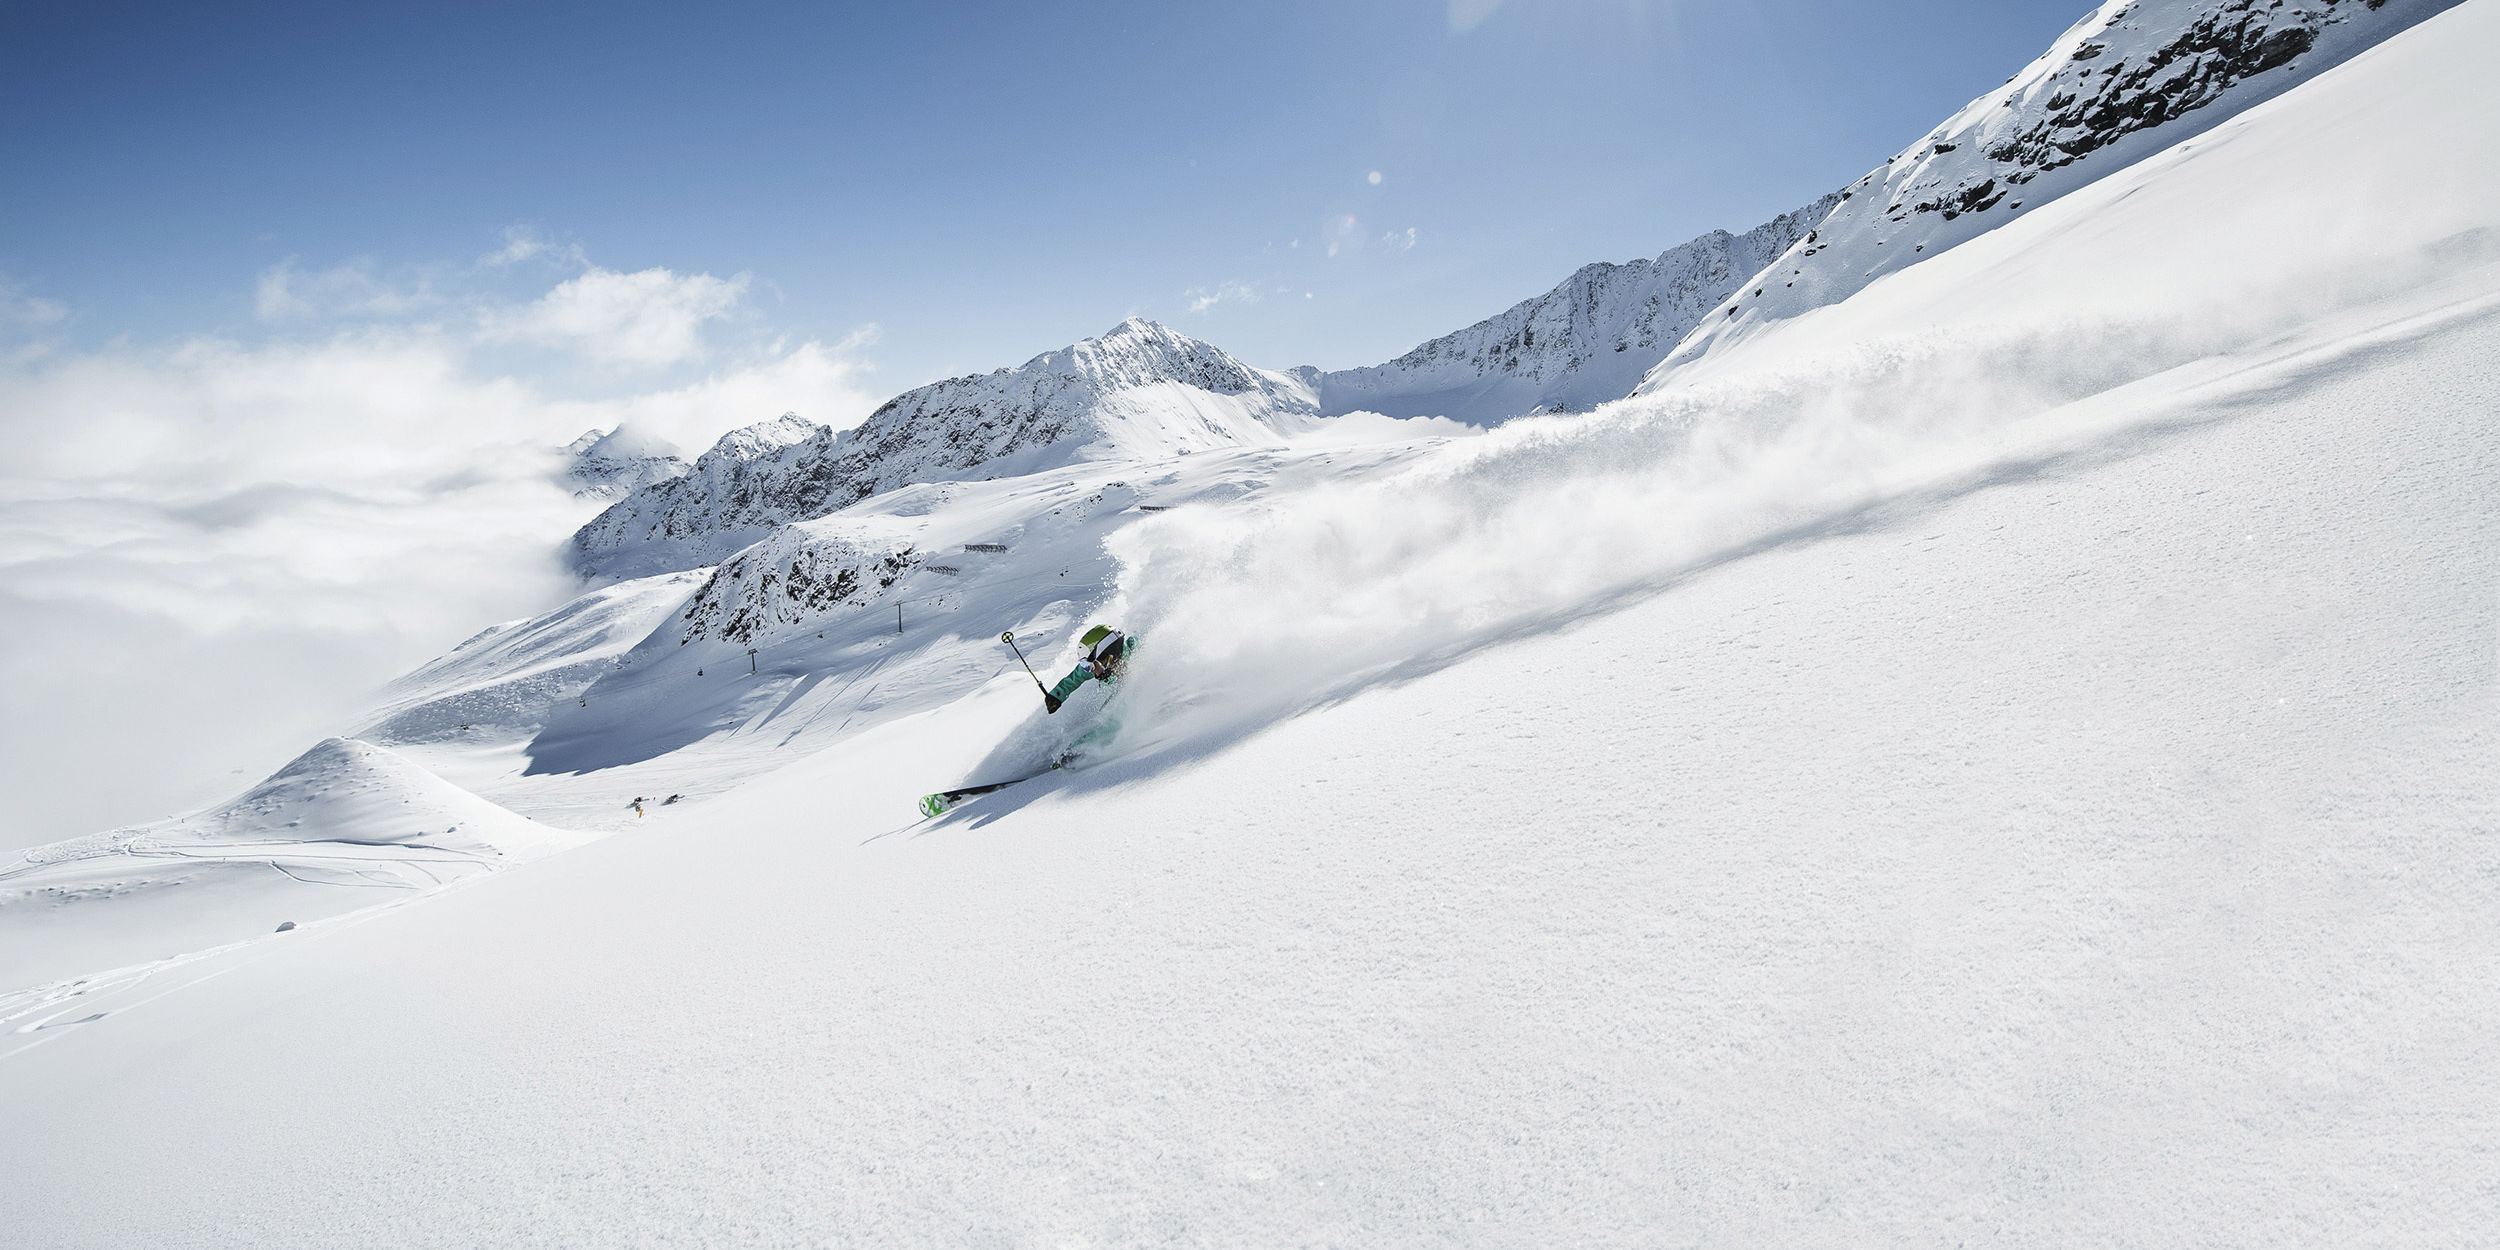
{"points": [[1010, 639]]}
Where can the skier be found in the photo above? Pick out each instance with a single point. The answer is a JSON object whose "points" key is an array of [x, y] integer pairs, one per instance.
{"points": [[1106, 653]]}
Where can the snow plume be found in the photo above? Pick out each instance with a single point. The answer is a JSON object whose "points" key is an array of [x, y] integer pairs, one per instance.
{"points": [[2223, 265], [1256, 614], [1263, 610]]}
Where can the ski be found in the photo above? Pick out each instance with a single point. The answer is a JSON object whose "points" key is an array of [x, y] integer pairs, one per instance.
{"points": [[944, 801]]}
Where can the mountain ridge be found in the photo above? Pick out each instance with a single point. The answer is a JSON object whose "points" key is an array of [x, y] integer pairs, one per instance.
{"points": [[1138, 391], [1587, 340], [2129, 79]]}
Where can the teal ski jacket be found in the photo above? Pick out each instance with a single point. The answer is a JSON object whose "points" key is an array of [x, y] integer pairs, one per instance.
{"points": [[1084, 672]]}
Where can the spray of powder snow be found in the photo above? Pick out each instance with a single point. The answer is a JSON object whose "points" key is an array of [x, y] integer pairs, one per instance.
{"points": [[1256, 612]]}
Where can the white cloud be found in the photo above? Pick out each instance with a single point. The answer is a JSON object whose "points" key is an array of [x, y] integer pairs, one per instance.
{"points": [[825, 383], [1203, 298], [18, 309], [1466, 15], [521, 243], [210, 549], [1399, 240], [286, 293], [650, 318]]}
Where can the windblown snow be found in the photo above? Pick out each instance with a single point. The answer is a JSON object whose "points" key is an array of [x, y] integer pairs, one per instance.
{"points": [[1996, 746]]}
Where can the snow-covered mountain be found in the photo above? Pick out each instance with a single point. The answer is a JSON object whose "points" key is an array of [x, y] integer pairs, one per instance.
{"points": [[1587, 341], [2132, 78], [1139, 392], [756, 477], [611, 464]]}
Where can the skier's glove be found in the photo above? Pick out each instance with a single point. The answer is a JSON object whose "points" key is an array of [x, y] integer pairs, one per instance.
{"points": [[1050, 703]]}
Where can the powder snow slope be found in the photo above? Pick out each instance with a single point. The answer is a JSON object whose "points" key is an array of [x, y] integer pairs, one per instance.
{"points": [[508, 678], [1139, 392], [1579, 345], [2137, 898], [2135, 77], [2023, 788], [341, 826]]}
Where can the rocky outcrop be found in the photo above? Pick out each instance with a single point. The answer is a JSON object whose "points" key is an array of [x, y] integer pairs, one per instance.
{"points": [[2133, 78], [798, 575]]}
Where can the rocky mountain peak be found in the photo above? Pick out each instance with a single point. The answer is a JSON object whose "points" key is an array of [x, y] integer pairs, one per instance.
{"points": [[2132, 78], [763, 438]]}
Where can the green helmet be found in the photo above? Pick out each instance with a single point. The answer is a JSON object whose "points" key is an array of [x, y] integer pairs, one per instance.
{"points": [[1096, 634]]}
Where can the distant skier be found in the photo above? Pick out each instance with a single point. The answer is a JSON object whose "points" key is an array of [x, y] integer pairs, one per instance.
{"points": [[1106, 653]]}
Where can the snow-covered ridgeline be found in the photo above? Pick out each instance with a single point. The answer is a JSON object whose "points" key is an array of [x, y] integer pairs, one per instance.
{"points": [[1587, 341], [2127, 81], [752, 480], [1141, 391]]}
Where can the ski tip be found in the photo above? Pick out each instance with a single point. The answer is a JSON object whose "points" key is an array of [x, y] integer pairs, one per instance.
{"points": [[933, 805]]}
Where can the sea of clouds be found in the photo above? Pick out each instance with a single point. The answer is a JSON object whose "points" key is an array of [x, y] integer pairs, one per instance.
{"points": [[214, 547]]}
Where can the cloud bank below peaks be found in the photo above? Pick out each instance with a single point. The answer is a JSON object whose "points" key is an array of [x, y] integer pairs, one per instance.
{"points": [[211, 545]]}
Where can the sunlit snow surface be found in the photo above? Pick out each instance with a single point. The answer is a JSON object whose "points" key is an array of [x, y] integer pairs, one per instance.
{"points": [[2014, 765], [343, 823]]}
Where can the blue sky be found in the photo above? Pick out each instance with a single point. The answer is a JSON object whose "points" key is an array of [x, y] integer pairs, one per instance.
{"points": [[978, 182]]}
